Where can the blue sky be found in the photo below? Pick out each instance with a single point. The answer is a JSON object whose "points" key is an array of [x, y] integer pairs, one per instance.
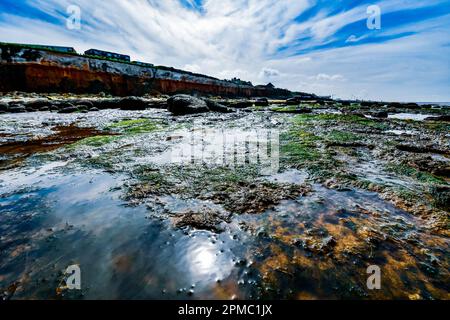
{"points": [[316, 46]]}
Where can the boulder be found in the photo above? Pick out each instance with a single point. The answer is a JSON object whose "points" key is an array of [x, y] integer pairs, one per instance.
{"points": [[445, 118], [71, 109], [217, 107], [17, 108], [83, 102], [133, 104], [82, 108], [4, 106], [241, 104], [36, 105], [394, 105], [262, 102], [103, 104], [183, 104], [292, 102], [380, 114], [411, 106]]}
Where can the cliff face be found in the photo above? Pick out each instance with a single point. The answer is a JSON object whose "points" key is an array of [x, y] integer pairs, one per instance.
{"points": [[32, 70]]}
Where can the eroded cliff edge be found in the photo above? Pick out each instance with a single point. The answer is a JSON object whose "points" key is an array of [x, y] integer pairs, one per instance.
{"points": [[36, 70]]}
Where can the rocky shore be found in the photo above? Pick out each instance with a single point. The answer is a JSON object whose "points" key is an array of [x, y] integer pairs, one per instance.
{"points": [[356, 183]]}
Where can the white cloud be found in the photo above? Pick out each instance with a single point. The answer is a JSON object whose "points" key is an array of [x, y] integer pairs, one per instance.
{"points": [[269, 73], [354, 38], [327, 77], [243, 38]]}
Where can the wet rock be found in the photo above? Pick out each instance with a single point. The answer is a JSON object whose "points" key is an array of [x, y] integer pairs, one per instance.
{"points": [[419, 149], [217, 107], [292, 102], [445, 118], [255, 198], [133, 104], [241, 104], [262, 102], [348, 144], [17, 108], [411, 106], [316, 245], [83, 102], [94, 109], [103, 104], [4, 106], [336, 185], [82, 108], [441, 196], [37, 105], [302, 111], [380, 114], [394, 105], [71, 109], [184, 104], [8, 293], [202, 219]]}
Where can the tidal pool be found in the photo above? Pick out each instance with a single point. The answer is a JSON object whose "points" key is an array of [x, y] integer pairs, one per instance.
{"points": [[409, 116], [72, 205]]}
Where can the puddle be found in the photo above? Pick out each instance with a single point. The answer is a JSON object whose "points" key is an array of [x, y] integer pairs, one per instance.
{"points": [[321, 246], [440, 157], [48, 227], [409, 116], [220, 147], [291, 176], [402, 132], [17, 151]]}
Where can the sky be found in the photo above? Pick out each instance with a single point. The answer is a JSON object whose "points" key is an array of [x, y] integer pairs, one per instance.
{"points": [[332, 47]]}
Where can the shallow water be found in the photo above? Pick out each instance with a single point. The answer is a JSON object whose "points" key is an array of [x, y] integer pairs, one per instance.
{"points": [[409, 116], [128, 253], [56, 211]]}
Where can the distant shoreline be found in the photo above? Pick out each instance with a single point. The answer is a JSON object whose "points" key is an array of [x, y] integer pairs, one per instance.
{"points": [[445, 104]]}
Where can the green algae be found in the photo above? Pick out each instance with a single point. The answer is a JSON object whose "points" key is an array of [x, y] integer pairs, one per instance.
{"points": [[137, 126], [342, 136], [96, 141], [420, 176], [305, 119]]}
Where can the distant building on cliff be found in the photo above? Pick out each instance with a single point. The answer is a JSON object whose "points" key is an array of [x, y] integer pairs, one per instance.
{"points": [[106, 54]]}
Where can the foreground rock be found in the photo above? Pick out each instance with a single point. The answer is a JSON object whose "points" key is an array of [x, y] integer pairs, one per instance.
{"points": [[203, 219], [445, 118], [185, 104]]}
